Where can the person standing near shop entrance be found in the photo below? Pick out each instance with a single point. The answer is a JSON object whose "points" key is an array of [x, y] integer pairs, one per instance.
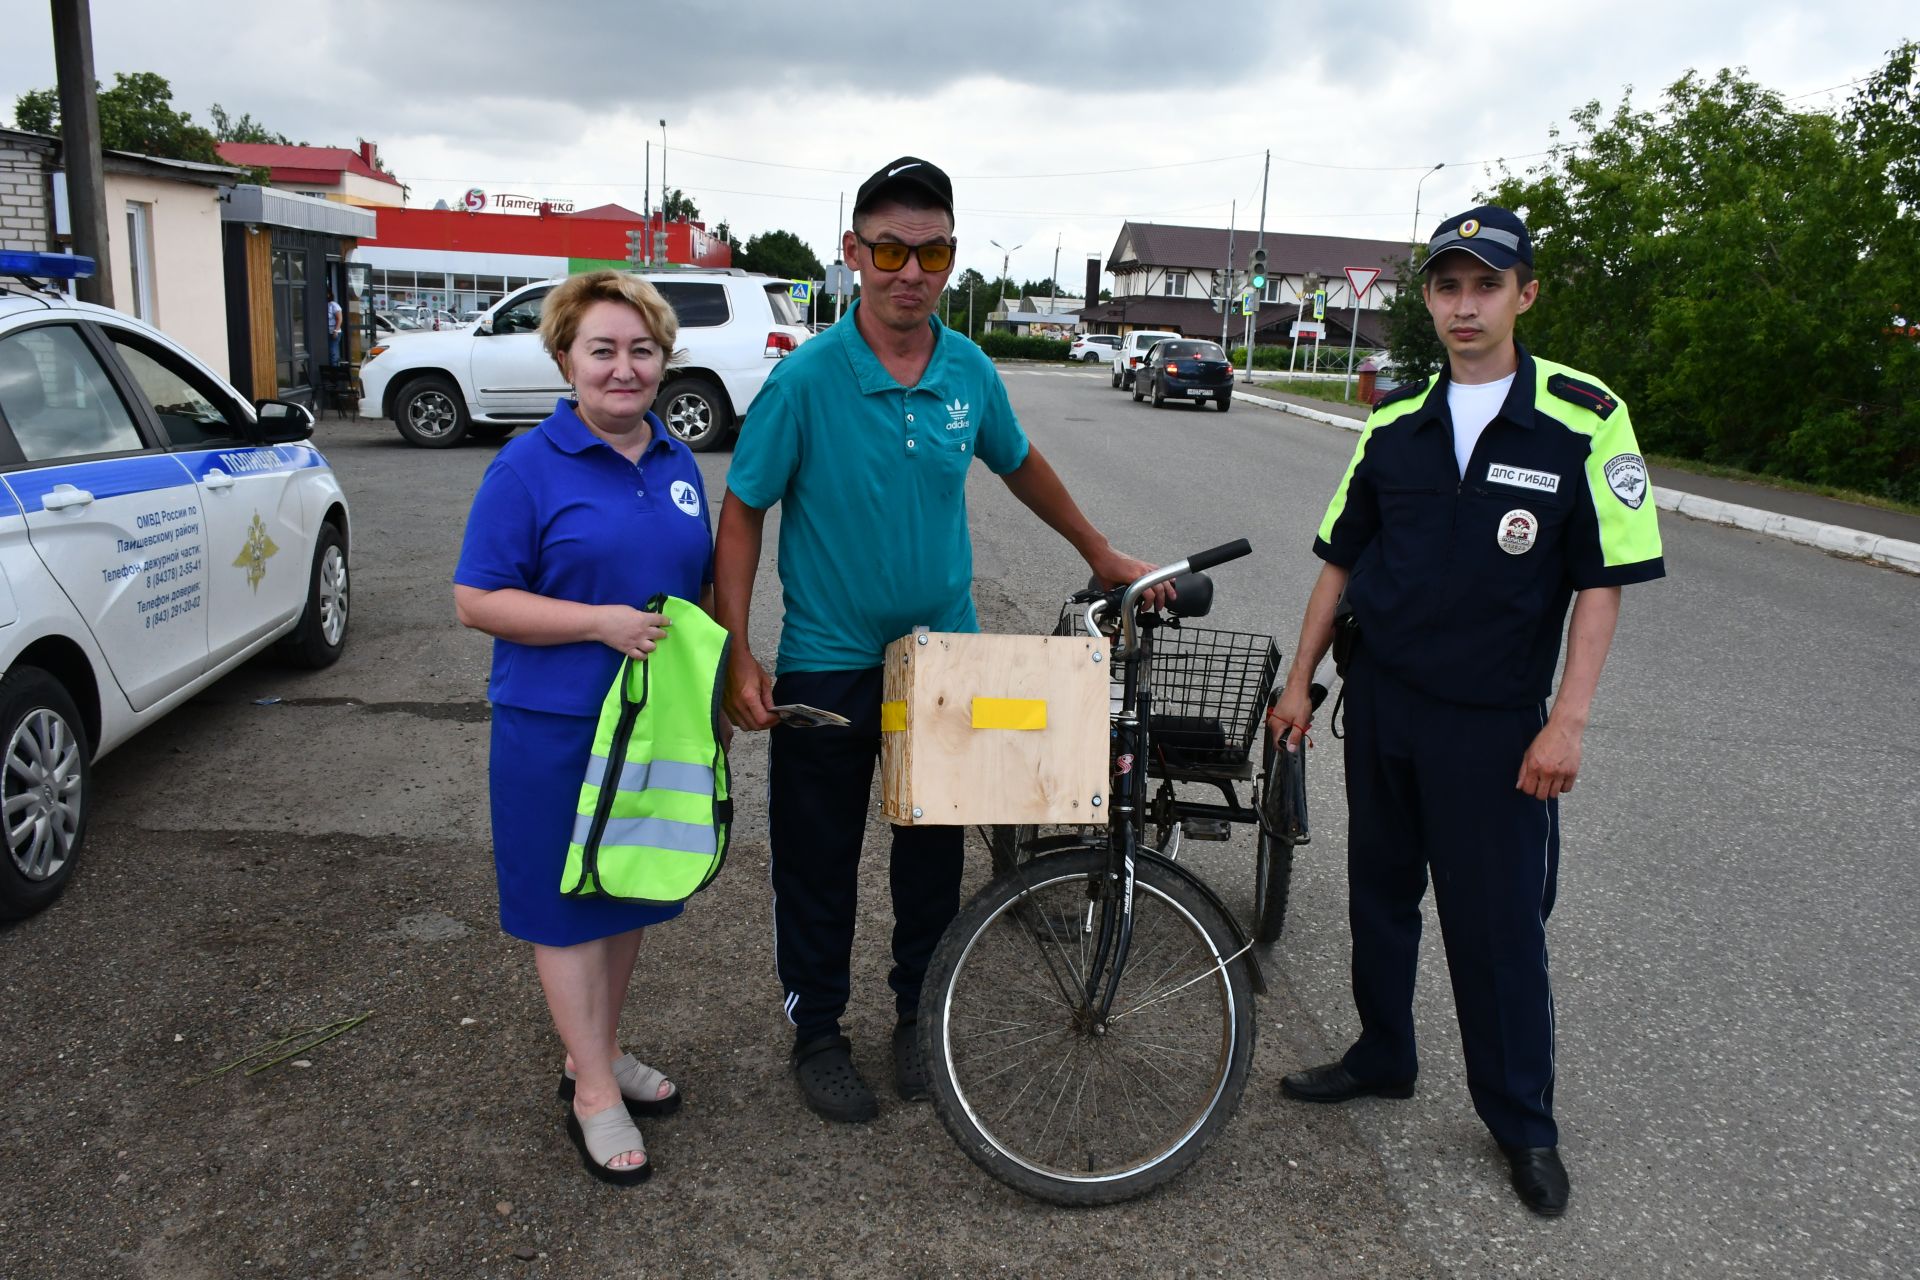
{"points": [[1478, 504], [864, 436]]}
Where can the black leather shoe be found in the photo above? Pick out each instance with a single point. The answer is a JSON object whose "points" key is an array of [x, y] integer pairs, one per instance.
{"points": [[1334, 1083], [1539, 1178]]}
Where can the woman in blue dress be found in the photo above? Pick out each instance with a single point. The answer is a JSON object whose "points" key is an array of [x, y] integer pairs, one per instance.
{"points": [[575, 526]]}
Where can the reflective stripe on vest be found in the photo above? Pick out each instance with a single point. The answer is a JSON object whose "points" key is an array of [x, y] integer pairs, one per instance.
{"points": [[654, 811]]}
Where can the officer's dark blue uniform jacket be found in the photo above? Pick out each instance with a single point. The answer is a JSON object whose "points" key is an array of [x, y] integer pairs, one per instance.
{"points": [[1461, 584]]}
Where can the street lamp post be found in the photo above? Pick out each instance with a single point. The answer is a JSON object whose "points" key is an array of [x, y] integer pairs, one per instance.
{"points": [[664, 216], [1416, 203], [1006, 257]]}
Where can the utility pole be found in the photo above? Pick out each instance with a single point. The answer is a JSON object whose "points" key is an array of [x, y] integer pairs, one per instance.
{"points": [[646, 205], [1259, 243], [840, 258], [1226, 285], [80, 145], [1056, 273]]}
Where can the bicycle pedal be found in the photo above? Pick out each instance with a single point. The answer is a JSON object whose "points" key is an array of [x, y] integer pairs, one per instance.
{"points": [[1206, 828]]}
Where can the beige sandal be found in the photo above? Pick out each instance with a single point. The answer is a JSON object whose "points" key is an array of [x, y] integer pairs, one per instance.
{"points": [[603, 1136], [639, 1085]]}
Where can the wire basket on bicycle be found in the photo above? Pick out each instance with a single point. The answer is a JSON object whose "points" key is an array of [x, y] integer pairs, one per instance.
{"points": [[1209, 692]]}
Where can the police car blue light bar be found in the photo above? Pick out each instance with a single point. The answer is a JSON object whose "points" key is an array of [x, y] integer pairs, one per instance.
{"points": [[49, 266]]}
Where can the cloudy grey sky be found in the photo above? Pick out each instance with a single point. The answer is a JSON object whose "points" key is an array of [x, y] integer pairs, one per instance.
{"points": [[1057, 120]]}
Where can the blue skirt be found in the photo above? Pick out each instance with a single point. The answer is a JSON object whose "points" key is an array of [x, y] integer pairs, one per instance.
{"points": [[538, 761]]}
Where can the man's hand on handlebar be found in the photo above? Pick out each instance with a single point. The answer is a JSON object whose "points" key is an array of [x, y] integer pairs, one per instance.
{"points": [[749, 700], [1117, 570]]}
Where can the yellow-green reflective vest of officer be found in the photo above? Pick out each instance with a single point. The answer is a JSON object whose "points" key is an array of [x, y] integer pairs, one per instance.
{"points": [[654, 810]]}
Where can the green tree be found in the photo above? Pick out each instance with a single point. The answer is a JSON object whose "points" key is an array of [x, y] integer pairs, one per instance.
{"points": [[679, 208], [1735, 269], [136, 115], [780, 253], [245, 129], [1412, 344]]}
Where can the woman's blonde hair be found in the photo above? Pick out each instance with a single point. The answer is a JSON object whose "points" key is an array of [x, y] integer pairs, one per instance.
{"points": [[560, 314]]}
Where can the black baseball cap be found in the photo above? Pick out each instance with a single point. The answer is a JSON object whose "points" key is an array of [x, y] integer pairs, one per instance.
{"points": [[906, 172], [1494, 235]]}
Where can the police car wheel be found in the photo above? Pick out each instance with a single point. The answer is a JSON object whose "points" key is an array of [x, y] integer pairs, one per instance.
{"points": [[431, 413], [1224, 401], [1116, 379], [696, 413], [43, 790], [1159, 395], [321, 635]]}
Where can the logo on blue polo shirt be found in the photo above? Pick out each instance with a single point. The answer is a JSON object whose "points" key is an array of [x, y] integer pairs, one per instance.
{"points": [[957, 413], [685, 498]]}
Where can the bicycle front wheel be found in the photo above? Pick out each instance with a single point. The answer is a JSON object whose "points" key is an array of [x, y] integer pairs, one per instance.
{"points": [[1039, 1091]]}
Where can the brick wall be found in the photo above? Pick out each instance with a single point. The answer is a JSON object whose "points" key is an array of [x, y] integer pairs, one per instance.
{"points": [[26, 220]]}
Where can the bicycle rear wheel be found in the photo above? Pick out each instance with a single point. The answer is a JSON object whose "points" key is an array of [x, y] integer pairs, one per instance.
{"points": [[1035, 1090], [1273, 855]]}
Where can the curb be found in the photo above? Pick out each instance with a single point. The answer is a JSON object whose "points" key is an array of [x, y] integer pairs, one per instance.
{"points": [[1893, 552]]}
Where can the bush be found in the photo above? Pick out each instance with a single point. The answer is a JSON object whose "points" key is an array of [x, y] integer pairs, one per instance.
{"points": [[1015, 346]]}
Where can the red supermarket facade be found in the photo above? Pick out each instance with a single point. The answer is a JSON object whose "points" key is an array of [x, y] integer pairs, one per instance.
{"points": [[464, 260]]}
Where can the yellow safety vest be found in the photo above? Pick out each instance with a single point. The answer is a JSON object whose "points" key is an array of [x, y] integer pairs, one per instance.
{"points": [[654, 811]]}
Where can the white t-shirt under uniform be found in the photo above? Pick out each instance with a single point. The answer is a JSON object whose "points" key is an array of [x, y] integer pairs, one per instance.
{"points": [[1472, 407]]}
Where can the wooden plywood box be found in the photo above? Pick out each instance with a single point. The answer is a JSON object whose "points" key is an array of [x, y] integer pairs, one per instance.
{"points": [[994, 729]]}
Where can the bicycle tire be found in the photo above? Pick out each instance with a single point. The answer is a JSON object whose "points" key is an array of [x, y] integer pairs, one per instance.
{"points": [[1273, 855], [1180, 1013]]}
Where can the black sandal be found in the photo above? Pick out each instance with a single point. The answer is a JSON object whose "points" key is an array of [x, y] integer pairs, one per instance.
{"points": [[909, 1062], [833, 1089]]}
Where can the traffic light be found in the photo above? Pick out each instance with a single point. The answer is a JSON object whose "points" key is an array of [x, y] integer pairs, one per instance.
{"points": [[1259, 274], [634, 258]]}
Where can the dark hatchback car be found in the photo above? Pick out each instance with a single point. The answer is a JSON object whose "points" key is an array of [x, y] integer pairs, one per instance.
{"points": [[1185, 369]]}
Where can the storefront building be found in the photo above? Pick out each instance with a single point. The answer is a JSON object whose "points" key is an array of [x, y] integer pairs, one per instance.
{"points": [[460, 261]]}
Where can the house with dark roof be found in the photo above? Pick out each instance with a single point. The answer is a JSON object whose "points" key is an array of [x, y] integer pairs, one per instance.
{"points": [[333, 173], [1168, 277]]}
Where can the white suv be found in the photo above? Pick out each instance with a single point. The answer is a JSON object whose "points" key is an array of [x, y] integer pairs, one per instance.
{"points": [[1093, 346], [495, 376], [155, 533], [1132, 350]]}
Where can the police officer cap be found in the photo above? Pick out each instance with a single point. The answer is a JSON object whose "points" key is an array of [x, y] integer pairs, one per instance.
{"points": [[1494, 235], [908, 172]]}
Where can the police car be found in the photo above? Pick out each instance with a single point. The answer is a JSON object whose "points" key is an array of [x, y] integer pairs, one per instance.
{"points": [[156, 531]]}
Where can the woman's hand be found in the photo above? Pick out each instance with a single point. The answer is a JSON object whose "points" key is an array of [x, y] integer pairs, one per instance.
{"points": [[629, 632]]}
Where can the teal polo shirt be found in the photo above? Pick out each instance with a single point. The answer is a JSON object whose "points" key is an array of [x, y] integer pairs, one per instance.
{"points": [[871, 477]]}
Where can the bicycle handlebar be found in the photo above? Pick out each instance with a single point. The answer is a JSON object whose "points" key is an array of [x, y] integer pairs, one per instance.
{"points": [[1219, 555], [1130, 601]]}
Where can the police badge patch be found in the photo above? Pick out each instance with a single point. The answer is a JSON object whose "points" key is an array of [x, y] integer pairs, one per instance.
{"points": [[1518, 531], [1627, 477]]}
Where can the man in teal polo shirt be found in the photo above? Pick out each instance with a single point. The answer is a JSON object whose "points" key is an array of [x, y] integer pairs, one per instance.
{"points": [[865, 435]]}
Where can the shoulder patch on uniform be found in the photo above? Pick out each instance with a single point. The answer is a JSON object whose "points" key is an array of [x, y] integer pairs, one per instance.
{"points": [[1405, 391], [1589, 396], [1627, 476]]}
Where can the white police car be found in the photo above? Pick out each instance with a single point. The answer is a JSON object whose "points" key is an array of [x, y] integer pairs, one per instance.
{"points": [[155, 532]]}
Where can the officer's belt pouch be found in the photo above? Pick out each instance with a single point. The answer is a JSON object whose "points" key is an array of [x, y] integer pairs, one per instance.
{"points": [[655, 812], [1346, 635]]}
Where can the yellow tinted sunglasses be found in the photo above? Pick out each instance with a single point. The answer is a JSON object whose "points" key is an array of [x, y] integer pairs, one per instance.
{"points": [[890, 255]]}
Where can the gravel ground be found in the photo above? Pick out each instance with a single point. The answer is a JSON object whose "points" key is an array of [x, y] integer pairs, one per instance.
{"points": [[257, 869]]}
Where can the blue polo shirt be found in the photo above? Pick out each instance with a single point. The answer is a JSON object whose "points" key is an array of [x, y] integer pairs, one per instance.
{"points": [[561, 513], [872, 480]]}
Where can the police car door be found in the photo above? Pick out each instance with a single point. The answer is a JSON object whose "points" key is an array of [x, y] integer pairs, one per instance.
{"points": [[258, 551], [115, 520], [512, 373]]}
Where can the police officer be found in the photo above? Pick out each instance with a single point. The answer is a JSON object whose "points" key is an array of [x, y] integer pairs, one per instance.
{"points": [[1478, 504]]}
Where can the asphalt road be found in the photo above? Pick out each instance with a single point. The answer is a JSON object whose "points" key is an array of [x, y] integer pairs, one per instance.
{"points": [[1735, 963]]}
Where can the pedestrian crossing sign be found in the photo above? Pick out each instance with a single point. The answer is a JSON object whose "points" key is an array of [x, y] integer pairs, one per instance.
{"points": [[800, 290]]}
